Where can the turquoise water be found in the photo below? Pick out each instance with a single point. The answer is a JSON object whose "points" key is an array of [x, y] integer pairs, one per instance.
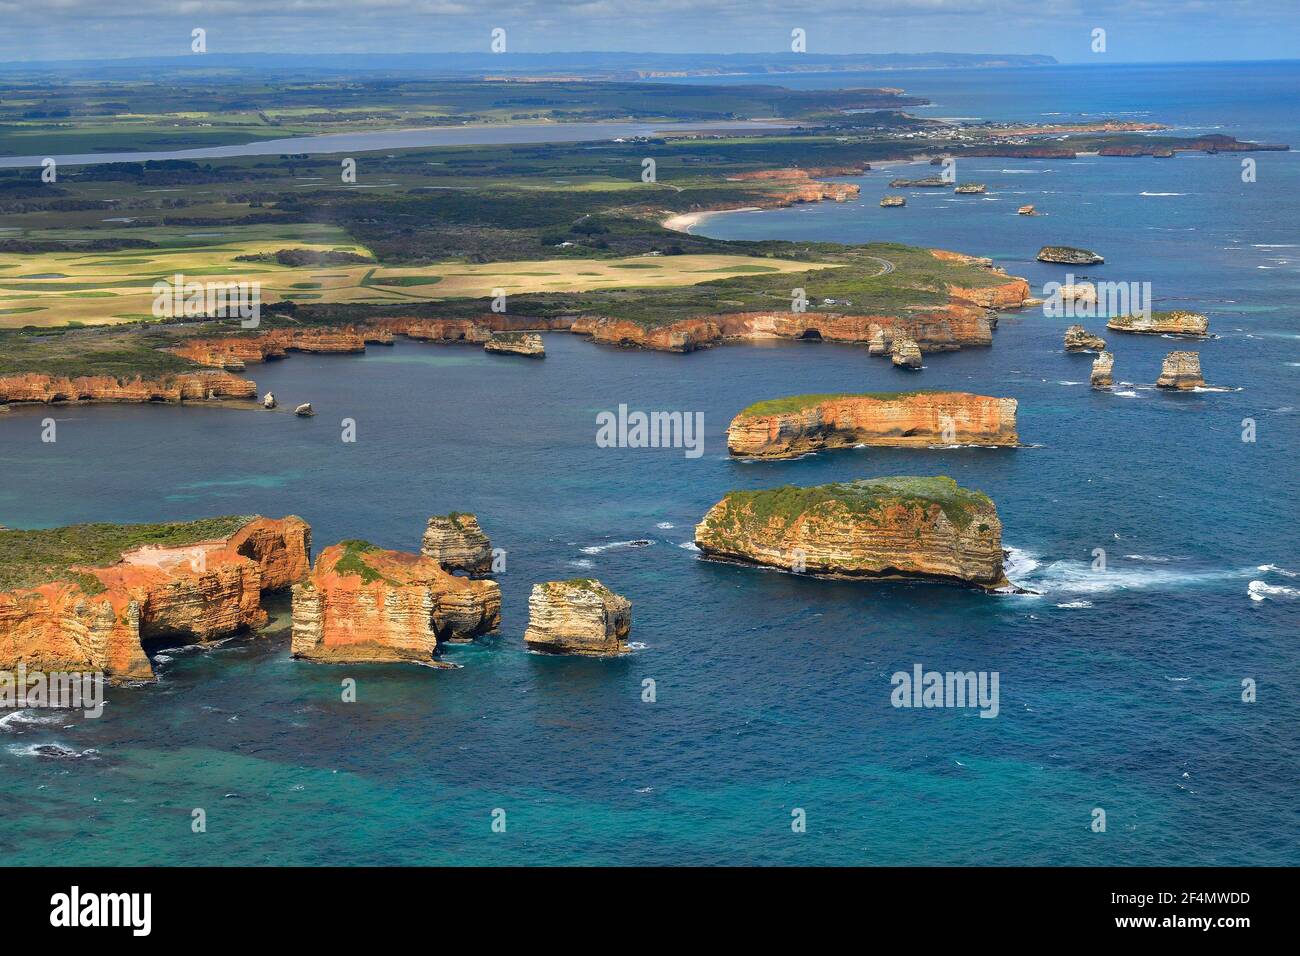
{"points": [[1119, 690]]}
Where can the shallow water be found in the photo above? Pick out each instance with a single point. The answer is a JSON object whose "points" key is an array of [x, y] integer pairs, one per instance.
{"points": [[1119, 690]]}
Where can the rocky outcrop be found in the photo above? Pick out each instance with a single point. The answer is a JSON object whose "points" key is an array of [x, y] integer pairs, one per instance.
{"points": [[929, 182], [580, 616], [1026, 210], [1162, 323], [905, 353], [457, 543], [880, 527], [788, 427], [1102, 366], [893, 201], [1079, 339], [1069, 256], [971, 189], [364, 604], [528, 344], [684, 336], [1181, 370], [268, 400], [793, 186], [181, 387], [95, 618], [233, 352], [304, 410]]}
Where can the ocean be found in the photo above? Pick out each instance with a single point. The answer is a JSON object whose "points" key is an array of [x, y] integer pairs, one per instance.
{"points": [[1120, 690]]}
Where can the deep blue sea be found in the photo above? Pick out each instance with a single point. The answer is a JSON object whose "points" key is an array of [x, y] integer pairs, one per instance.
{"points": [[1119, 689]]}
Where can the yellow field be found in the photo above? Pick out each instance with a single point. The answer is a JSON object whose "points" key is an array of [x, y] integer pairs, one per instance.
{"points": [[53, 289]]}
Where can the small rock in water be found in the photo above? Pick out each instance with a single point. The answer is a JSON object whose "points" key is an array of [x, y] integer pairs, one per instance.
{"points": [[268, 401], [304, 410]]}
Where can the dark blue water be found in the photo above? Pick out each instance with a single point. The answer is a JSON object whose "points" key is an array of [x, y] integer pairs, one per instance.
{"points": [[1119, 690]]}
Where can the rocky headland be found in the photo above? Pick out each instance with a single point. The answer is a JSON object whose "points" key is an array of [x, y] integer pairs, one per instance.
{"points": [[362, 603], [580, 616], [192, 387], [1177, 322], [789, 427], [83, 598], [901, 527]]}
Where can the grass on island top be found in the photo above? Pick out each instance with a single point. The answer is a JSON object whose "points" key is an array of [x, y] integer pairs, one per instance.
{"points": [[861, 498], [354, 561], [797, 403], [32, 558]]}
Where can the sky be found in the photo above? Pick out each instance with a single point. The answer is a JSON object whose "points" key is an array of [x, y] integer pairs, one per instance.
{"points": [[1136, 30]]}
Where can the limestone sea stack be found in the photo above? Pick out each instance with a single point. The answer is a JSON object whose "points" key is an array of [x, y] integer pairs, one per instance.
{"points": [[1079, 339], [304, 410], [1181, 370], [891, 201], [365, 604], [1027, 210], [83, 598], [528, 344], [1101, 370], [268, 400], [970, 189], [789, 427], [898, 527], [905, 353], [580, 616], [1162, 323], [457, 543], [1069, 256]]}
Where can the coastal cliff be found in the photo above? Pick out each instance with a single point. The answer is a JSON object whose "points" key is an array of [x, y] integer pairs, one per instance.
{"points": [[881, 527], [233, 352], [181, 387], [788, 427], [166, 580], [580, 616], [1177, 322], [364, 604]]}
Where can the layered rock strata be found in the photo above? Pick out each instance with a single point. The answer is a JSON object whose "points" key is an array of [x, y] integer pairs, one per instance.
{"points": [[1079, 339], [1069, 255], [786, 428], [905, 353], [1181, 370], [180, 387], [95, 618], [528, 344], [457, 543], [1162, 323], [871, 528], [1102, 367], [365, 604], [580, 616]]}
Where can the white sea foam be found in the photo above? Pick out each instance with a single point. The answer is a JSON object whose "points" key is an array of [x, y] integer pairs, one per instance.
{"points": [[581, 563], [1078, 577], [616, 546], [1146, 557], [1144, 193], [1275, 569], [688, 546], [1074, 604], [665, 525], [1260, 591], [22, 718]]}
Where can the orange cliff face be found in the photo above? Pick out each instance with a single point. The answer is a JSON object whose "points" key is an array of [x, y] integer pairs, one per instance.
{"points": [[233, 352], [201, 590], [182, 387], [844, 421], [798, 185], [362, 603]]}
